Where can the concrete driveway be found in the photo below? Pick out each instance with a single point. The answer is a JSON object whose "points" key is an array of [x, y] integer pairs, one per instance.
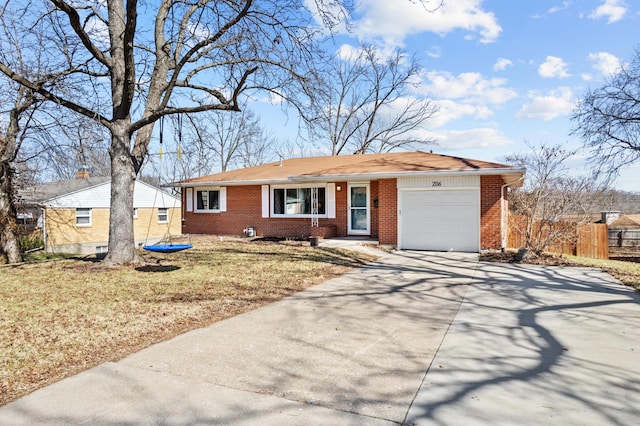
{"points": [[416, 338]]}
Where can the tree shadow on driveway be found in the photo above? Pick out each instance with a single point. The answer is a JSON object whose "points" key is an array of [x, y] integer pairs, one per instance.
{"points": [[537, 344]]}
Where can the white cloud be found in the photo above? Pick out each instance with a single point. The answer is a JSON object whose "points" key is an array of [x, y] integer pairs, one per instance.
{"points": [[393, 21], [557, 103], [555, 9], [470, 87], [435, 52], [606, 63], [502, 64], [484, 137], [613, 10], [449, 110], [553, 67]]}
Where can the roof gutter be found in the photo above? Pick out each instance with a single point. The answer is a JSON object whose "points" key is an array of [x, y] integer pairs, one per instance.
{"points": [[349, 177], [226, 183], [391, 175]]}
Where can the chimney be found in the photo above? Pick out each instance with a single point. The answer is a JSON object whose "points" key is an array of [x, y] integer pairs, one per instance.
{"points": [[609, 217], [83, 172]]}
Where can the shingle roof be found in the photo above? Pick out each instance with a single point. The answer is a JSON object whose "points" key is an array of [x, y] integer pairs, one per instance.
{"points": [[390, 164], [626, 221], [47, 191]]}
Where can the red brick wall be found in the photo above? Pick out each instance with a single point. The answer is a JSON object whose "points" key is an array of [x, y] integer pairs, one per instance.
{"points": [[387, 211], [244, 208], [490, 187], [373, 194]]}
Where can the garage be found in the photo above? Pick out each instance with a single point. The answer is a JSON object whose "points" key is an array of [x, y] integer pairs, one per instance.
{"points": [[439, 219]]}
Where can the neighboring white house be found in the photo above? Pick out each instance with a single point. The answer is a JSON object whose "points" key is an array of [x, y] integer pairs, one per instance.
{"points": [[73, 215]]}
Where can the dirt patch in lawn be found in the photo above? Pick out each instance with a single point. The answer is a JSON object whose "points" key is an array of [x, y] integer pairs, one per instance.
{"points": [[58, 318]]}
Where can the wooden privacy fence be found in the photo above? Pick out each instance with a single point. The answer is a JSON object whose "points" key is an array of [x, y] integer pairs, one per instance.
{"points": [[624, 238], [593, 240], [582, 239]]}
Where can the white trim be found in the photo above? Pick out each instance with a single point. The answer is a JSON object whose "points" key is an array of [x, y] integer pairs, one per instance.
{"points": [[207, 210], [189, 197], [506, 172], [90, 216], [265, 201], [296, 186], [167, 213], [222, 199], [330, 193], [351, 231]]}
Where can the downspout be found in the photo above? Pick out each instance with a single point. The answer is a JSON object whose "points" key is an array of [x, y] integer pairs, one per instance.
{"points": [[503, 220], [44, 228]]}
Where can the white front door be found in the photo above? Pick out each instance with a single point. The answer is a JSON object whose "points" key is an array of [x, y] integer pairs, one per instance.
{"points": [[358, 205]]}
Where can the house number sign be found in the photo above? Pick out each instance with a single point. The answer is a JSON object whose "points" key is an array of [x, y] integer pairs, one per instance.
{"points": [[436, 183]]}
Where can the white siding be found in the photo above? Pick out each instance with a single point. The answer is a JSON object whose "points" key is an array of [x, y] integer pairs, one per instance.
{"points": [[99, 196], [438, 182]]}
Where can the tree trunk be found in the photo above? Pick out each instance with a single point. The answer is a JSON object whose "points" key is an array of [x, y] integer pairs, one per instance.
{"points": [[122, 248], [9, 239]]}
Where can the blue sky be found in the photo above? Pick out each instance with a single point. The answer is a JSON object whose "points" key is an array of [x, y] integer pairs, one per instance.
{"points": [[503, 72]]}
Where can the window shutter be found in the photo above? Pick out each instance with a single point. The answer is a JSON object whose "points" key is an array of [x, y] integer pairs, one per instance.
{"points": [[223, 199], [331, 200], [189, 199], [265, 200]]}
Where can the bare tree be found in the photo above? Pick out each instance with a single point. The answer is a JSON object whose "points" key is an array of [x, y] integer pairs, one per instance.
{"points": [[360, 102], [191, 57], [71, 145], [10, 142], [202, 56], [608, 119], [550, 203], [18, 108], [210, 142]]}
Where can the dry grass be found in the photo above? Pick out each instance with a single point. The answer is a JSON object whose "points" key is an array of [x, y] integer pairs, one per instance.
{"points": [[627, 272], [60, 317]]}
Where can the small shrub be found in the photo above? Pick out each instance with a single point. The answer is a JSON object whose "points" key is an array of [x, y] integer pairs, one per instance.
{"points": [[31, 241]]}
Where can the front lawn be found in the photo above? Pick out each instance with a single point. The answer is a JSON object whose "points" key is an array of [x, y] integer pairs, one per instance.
{"points": [[60, 317]]}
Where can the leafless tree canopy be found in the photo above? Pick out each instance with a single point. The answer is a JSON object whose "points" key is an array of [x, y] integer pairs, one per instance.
{"points": [[125, 64], [362, 103], [551, 202], [130, 64], [212, 142], [608, 119]]}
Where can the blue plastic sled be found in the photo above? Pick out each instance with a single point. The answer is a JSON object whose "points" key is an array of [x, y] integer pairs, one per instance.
{"points": [[167, 248]]}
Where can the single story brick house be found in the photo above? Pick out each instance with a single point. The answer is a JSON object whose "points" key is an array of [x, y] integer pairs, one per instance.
{"points": [[410, 200]]}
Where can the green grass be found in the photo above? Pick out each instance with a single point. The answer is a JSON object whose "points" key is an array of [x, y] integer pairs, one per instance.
{"points": [[61, 317]]}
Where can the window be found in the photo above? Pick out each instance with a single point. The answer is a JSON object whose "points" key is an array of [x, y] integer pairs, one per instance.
{"points": [[208, 200], [297, 201], [83, 217], [163, 215]]}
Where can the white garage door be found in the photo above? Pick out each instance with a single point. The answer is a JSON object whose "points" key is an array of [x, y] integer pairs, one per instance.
{"points": [[440, 220]]}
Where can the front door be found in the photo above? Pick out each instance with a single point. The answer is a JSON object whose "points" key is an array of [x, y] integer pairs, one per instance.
{"points": [[359, 214]]}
